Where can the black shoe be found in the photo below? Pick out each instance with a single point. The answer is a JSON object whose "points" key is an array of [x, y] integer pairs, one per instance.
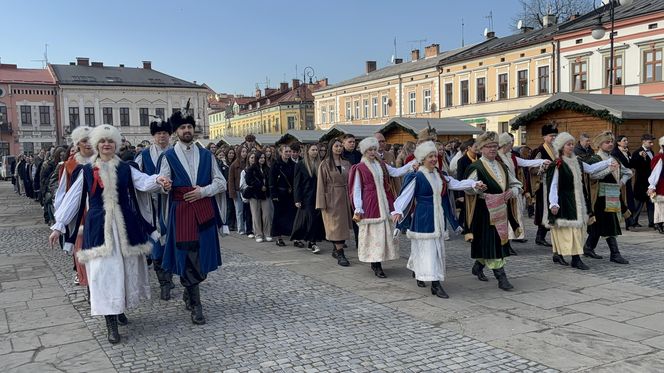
{"points": [[651, 226], [437, 290], [334, 253], [637, 225], [421, 284], [521, 240], [186, 300], [122, 319], [501, 276], [197, 317], [378, 270], [478, 270], [298, 244], [341, 258], [513, 252], [280, 242], [542, 242], [577, 263], [615, 252], [559, 259], [165, 292], [660, 227], [540, 237], [112, 327], [590, 253]]}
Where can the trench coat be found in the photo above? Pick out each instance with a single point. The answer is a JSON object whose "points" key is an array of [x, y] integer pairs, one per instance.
{"points": [[333, 201]]}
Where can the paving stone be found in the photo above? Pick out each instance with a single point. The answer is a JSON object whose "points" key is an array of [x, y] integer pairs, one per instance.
{"points": [[611, 313], [653, 322], [551, 298], [632, 333], [645, 306], [637, 364]]}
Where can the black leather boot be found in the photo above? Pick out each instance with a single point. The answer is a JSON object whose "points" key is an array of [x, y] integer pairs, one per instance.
{"points": [[196, 307], [501, 276], [540, 238], [589, 247], [420, 284], [437, 290], [122, 319], [378, 270], [577, 263], [112, 327], [478, 270], [559, 259], [615, 252], [513, 252], [660, 227], [341, 258], [186, 299]]}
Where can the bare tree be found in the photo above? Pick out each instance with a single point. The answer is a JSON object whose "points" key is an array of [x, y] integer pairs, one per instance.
{"points": [[534, 10]]}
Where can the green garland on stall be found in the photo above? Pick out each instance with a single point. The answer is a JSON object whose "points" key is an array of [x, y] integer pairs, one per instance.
{"points": [[604, 114]]}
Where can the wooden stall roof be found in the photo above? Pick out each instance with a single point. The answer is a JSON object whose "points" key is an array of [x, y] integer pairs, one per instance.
{"points": [[302, 136], [612, 108], [267, 139], [360, 131], [229, 140], [443, 126]]}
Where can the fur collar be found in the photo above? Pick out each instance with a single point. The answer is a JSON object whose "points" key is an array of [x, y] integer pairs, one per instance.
{"points": [[80, 159], [579, 200]]}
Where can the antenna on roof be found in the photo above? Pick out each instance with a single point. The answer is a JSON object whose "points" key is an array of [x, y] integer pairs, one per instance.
{"points": [[462, 30], [44, 60], [395, 50], [519, 25], [418, 41], [490, 18]]}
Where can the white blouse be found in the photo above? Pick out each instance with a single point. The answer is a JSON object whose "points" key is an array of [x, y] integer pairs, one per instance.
{"points": [[392, 171], [408, 192], [587, 168]]}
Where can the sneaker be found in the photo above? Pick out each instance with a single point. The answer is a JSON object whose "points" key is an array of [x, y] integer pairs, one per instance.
{"points": [[259, 240], [76, 281], [268, 239], [251, 235], [240, 233], [315, 249]]}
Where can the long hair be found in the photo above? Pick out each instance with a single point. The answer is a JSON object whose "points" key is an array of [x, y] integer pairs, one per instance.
{"points": [[238, 158], [329, 157], [265, 168], [311, 164]]}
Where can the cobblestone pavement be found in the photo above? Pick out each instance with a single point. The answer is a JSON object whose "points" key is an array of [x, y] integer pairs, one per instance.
{"points": [[284, 309]]}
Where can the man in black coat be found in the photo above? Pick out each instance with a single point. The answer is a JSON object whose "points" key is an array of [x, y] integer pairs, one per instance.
{"points": [[583, 150], [544, 151], [640, 162], [350, 154], [462, 164]]}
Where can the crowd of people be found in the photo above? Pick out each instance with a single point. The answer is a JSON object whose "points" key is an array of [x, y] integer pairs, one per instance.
{"points": [[169, 204]]}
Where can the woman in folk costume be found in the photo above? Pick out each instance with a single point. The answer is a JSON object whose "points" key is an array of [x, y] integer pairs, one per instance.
{"points": [[332, 199], [372, 200], [73, 234], [568, 201], [115, 245], [427, 188], [515, 167], [308, 225], [656, 187]]}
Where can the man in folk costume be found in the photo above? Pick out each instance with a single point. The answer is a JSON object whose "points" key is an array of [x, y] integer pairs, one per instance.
{"points": [[515, 166], [73, 235], [544, 151], [372, 201], [147, 161], [490, 212], [607, 191], [192, 244], [656, 187], [428, 189]]}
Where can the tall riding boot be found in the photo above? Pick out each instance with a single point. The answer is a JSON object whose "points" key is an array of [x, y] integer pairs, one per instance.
{"points": [[589, 247], [186, 299], [165, 280], [378, 269], [615, 252], [112, 327], [196, 306], [122, 319], [478, 270], [437, 290], [577, 263], [341, 257], [501, 276], [540, 238]]}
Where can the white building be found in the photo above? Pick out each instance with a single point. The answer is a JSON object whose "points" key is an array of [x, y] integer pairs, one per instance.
{"points": [[126, 97]]}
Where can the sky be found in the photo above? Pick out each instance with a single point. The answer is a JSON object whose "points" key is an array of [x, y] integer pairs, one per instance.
{"points": [[234, 45]]}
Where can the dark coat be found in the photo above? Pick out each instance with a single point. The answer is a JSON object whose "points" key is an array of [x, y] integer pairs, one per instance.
{"points": [[308, 224], [282, 175], [353, 157], [583, 153], [641, 164], [256, 179]]}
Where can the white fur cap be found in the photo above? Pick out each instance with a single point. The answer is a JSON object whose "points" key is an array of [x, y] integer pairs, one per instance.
{"points": [[560, 141], [106, 131], [79, 133], [505, 139], [424, 149], [369, 142], [661, 141]]}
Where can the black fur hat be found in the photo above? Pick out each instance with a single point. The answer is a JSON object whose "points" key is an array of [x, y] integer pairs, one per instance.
{"points": [[158, 125], [181, 117], [549, 128]]}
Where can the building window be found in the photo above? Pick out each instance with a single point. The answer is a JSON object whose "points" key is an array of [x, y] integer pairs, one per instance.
{"points": [[348, 111], [89, 113], [617, 70], [144, 116], [481, 89], [331, 114], [522, 77], [107, 115], [309, 122], [374, 107], [543, 79], [291, 123], [74, 120], [502, 86], [357, 110], [26, 115], [366, 108], [386, 106], [124, 116], [160, 112], [579, 76], [3, 116], [464, 92], [652, 65], [45, 115], [323, 115], [427, 100], [449, 95], [481, 126], [503, 127], [412, 102]]}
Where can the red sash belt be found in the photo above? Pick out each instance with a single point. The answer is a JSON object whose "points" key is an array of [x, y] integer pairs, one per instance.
{"points": [[190, 216]]}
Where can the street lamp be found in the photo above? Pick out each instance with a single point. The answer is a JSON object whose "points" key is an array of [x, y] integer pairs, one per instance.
{"points": [[598, 31]]}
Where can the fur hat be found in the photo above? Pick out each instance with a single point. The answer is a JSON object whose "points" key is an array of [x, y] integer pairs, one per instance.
{"points": [[427, 134], [369, 142], [159, 125], [79, 133], [604, 136], [424, 149], [177, 119], [661, 141], [505, 139], [486, 138], [106, 131], [560, 141], [549, 128]]}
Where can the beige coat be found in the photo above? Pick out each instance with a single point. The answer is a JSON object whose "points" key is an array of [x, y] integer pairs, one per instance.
{"points": [[333, 201]]}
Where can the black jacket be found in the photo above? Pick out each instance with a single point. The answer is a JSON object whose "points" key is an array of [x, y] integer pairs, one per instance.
{"points": [[305, 186], [641, 164], [583, 153], [282, 175], [256, 179], [353, 157]]}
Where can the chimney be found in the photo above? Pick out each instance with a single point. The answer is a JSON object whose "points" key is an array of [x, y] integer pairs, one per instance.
{"points": [[490, 35], [296, 83], [82, 61], [322, 83], [574, 16], [147, 65], [415, 55], [121, 65], [257, 93], [525, 29], [72, 64], [9, 66], [283, 87], [97, 64], [548, 20], [370, 66], [431, 51], [398, 61]]}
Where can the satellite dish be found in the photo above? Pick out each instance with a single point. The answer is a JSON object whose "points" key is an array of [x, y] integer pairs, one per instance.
{"points": [[486, 31], [519, 25]]}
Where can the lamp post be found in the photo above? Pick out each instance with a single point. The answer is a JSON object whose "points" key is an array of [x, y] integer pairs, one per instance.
{"points": [[598, 31]]}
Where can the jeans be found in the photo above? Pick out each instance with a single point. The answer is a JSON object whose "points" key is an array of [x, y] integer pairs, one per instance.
{"points": [[239, 216]]}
